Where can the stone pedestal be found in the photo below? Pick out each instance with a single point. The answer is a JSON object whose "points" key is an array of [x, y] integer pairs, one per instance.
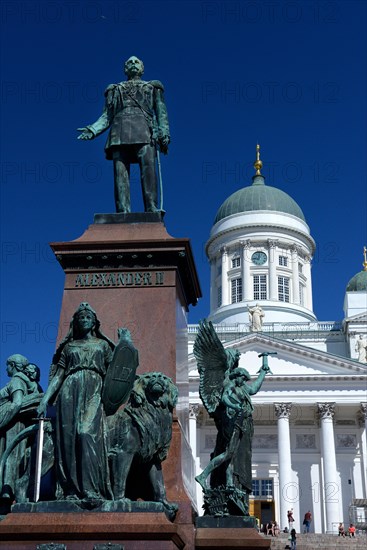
{"points": [[230, 539], [83, 531], [229, 532], [134, 275]]}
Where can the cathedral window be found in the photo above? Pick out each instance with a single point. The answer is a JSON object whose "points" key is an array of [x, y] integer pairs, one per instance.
{"points": [[260, 287], [219, 297], [262, 487], [283, 260], [283, 289], [236, 262], [236, 287]]}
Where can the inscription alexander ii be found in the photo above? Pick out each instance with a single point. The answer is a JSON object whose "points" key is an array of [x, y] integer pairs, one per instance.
{"points": [[134, 278]]}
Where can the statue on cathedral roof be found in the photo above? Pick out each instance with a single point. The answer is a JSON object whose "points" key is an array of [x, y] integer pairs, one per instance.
{"points": [[256, 316], [361, 348]]}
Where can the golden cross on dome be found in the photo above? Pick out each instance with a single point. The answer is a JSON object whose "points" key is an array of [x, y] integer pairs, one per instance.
{"points": [[258, 164]]}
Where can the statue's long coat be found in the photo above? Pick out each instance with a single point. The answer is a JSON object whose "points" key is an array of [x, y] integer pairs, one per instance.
{"points": [[135, 112]]}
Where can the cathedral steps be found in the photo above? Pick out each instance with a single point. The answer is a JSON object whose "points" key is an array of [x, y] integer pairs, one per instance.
{"points": [[315, 541]]}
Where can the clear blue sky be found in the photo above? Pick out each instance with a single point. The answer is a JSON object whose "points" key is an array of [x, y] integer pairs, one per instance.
{"points": [[291, 75]]}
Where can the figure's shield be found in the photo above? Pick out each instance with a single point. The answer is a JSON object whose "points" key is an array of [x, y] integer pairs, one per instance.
{"points": [[120, 376]]}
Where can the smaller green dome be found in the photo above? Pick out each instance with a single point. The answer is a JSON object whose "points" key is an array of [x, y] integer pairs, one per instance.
{"points": [[358, 282]]}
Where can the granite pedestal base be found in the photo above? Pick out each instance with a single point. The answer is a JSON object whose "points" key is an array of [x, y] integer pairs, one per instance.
{"points": [[75, 506], [227, 522], [230, 533], [83, 531]]}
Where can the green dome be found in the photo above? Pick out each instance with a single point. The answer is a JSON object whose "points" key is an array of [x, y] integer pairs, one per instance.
{"points": [[258, 196], [358, 282]]}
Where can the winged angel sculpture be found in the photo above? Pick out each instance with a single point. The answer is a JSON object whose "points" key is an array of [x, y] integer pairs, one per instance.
{"points": [[226, 396]]}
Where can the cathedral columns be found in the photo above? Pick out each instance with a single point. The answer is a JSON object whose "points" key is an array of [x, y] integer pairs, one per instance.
{"points": [[308, 293], [273, 286], [295, 275], [363, 417], [331, 485], [194, 409], [225, 292], [286, 485], [246, 278], [213, 287]]}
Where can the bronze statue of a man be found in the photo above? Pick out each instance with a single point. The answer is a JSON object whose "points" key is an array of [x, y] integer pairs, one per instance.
{"points": [[137, 117]]}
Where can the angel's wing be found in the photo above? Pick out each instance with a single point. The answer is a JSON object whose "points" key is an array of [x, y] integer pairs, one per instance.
{"points": [[212, 364]]}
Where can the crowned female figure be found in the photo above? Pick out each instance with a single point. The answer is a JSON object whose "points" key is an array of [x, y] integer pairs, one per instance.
{"points": [[76, 380]]}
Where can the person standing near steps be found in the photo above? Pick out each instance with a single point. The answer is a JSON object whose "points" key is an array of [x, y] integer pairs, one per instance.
{"points": [[307, 522]]}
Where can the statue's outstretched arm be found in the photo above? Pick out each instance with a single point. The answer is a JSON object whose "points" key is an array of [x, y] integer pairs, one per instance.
{"points": [[86, 133], [264, 370], [255, 386], [93, 130], [104, 121]]}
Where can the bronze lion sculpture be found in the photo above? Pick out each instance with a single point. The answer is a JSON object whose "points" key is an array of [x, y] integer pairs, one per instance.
{"points": [[139, 439]]}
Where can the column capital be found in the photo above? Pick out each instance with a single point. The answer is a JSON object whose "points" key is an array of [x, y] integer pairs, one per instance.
{"points": [[224, 250], [326, 410], [272, 243], [283, 410], [362, 414], [295, 249], [245, 243], [194, 410]]}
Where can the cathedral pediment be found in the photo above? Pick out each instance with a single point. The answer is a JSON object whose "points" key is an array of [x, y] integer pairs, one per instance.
{"points": [[292, 361], [359, 318]]}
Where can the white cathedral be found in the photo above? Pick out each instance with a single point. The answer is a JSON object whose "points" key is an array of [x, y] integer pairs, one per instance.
{"points": [[310, 416]]}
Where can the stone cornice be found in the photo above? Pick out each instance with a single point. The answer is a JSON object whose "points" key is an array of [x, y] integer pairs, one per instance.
{"points": [[287, 230], [265, 243], [358, 318], [305, 378]]}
